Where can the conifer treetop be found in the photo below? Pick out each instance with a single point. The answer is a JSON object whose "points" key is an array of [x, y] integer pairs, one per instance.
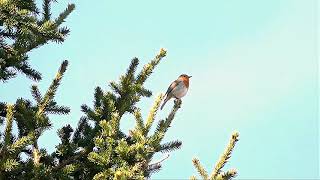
{"points": [[119, 154]]}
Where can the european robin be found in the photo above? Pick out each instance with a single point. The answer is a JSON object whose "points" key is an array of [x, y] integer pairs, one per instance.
{"points": [[177, 88]]}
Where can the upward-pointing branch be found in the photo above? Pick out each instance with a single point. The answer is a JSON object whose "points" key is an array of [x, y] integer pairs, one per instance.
{"points": [[226, 155], [9, 117], [217, 173], [152, 114], [52, 88]]}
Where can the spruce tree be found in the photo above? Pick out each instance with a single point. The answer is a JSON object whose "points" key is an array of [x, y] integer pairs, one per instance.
{"points": [[97, 148], [103, 150], [24, 27]]}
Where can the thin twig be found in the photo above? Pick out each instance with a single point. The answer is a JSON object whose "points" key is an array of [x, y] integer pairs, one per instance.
{"points": [[160, 161]]}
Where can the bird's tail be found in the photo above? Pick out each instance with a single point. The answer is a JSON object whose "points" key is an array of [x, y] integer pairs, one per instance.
{"points": [[164, 102]]}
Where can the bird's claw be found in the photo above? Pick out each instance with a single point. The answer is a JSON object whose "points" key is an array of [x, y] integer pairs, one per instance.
{"points": [[177, 103]]}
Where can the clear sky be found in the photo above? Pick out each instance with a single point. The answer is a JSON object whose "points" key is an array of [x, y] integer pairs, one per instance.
{"points": [[254, 67]]}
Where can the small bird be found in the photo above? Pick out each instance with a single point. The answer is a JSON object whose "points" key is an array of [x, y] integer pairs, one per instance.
{"points": [[177, 88]]}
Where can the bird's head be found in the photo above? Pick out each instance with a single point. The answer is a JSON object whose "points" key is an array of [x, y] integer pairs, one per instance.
{"points": [[184, 76]]}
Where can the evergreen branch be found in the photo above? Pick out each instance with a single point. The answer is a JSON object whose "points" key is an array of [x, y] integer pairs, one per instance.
{"points": [[226, 155], [71, 160], [69, 169], [48, 97], [21, 24], [116, 88], [64, 31], [38, 35], [21, 143], [152, 113], [176, 107], [36, 156], [145, 92], [170, 146], [148, 68], [227, 175], [115, 123], [46, 10], [139, 121], [200, 168], [98, 95], [65, 133], [24, 4], [164, 125], [86, 109], [64, 14], [36, 93], [42, 107], [9, 165], [132, 69], [83, 129], [9, 117], [217, 173], [58, 110], [28, 71]]}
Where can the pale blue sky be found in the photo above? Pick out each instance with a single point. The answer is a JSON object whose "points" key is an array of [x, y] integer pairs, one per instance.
{"points": [[254, 67]]}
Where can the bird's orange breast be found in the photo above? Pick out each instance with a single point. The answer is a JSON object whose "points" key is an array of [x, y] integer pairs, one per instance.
{"points": [[185, 81]]}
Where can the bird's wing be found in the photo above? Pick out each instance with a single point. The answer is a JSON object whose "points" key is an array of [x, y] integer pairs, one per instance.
{"points": [[172, 86]]}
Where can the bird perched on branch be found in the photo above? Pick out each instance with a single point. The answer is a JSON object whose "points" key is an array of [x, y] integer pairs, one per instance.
{"points": [[177, 88]]}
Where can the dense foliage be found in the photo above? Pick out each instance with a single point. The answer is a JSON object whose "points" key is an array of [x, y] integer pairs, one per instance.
{"points": [[24, 27], [96, 148]]}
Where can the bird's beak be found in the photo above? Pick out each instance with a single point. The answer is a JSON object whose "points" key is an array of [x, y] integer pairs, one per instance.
{"points": [[189, 76]]}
